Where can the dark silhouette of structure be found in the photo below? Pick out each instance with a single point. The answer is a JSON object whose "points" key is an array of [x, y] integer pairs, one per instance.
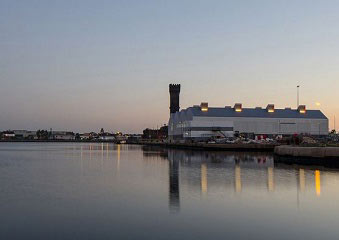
{"points": [[159, 134], [174, 197], [174, 90]]}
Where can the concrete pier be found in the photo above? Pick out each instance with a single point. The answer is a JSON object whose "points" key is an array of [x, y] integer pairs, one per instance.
{"points": [[310, 152], [320, 156], [218, 147]]}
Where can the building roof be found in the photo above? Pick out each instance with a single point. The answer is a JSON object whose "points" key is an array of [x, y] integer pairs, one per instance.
{"points": [[250, 112]]}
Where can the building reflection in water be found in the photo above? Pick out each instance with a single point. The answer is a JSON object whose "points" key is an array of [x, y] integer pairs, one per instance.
{"points": [[173, 173], [237, 178], [270, 179], [118, 157], [302, 183], [206, 172], [204, 178], [317, 182], [242, 172], [95, 157], [174, 194]]}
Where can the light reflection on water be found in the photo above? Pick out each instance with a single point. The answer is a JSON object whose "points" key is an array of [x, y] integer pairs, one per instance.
{"points": [[105, 191], [250, 171]]}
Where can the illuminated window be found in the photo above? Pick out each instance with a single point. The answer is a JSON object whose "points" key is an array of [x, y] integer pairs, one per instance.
{"points": [[238, 107], [270, 108], [204, 106], [302, 109]]}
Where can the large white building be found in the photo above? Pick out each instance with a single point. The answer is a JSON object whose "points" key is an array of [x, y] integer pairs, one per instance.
{"points": [[203, 122]]}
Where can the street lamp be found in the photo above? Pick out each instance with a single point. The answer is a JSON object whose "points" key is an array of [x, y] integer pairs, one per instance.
{"points": [[298, 96]]}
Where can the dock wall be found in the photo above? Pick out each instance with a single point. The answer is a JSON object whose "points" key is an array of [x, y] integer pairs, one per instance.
{"points": [[218, 147], [309, 152]]}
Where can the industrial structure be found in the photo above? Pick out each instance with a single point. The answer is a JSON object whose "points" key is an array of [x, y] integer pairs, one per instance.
{"points": [[203, 122], [174, 90]]}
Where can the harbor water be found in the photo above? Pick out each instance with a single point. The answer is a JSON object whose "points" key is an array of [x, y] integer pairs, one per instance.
{"points": [[109, 191]]}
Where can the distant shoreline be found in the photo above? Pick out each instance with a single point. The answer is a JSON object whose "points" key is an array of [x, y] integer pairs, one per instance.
{"points": [[76, 141]]}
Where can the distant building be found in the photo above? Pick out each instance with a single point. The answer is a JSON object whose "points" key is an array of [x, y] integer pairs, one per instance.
{"points": [[7, 135], [62, 135], [107, 137], [161, 133], [24, 134], [19, 134], [120, 137], [85, 136], [134, 138]]}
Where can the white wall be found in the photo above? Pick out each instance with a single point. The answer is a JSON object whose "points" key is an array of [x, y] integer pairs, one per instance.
{"points": [[270, 126]]}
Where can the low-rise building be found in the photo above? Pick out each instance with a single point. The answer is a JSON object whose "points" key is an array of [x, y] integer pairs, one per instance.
{"points": [[85, 136], [62, 135], [7, 135], [24, 134], [161, 133], [107, 137]]}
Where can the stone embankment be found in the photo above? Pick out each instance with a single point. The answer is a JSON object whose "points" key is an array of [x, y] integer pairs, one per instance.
{"points": [[309, 152], [316, 156], [220, 147]]}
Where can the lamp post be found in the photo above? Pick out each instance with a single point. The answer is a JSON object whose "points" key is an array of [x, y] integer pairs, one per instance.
{"points": [[298, 96], [334, 123]]}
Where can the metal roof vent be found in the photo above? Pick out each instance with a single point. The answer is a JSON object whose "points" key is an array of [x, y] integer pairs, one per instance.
{"points": [[238, 107], [204, 106], [302, 109], [270, 108]]}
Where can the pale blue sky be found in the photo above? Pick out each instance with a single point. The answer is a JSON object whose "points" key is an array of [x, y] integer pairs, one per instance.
{"points": [[83, 65]]}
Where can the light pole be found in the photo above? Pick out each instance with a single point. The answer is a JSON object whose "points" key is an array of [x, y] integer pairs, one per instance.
{"points": [[298, 96], [334, 123]]}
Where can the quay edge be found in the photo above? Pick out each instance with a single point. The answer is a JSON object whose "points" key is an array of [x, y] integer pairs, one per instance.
{"points": [[309, 152], [217, 147], [317, 156]]}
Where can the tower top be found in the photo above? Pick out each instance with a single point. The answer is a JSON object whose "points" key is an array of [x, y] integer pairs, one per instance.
{"points": [[174, 87]]}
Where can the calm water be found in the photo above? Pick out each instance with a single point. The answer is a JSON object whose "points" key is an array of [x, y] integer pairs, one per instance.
{"points": [[106, 191]]}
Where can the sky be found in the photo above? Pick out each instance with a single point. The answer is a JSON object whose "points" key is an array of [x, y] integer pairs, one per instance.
{"points": [[83, 65]]}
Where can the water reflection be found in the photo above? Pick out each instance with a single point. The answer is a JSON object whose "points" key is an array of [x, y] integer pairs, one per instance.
{"points": [[302, 180], [243, 172], [118, 157], [204, 178], [237, 177], [174, 197], [95, 155], [90, 190], [270, 179], [317, 182]]}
